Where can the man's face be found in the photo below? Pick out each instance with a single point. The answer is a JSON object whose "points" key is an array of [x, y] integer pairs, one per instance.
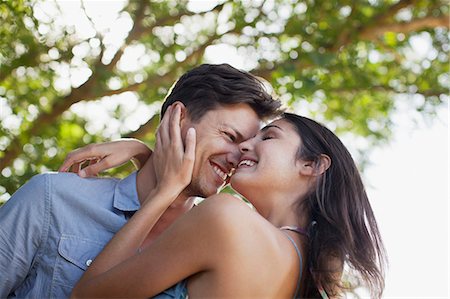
{"points": [[219, 133]]}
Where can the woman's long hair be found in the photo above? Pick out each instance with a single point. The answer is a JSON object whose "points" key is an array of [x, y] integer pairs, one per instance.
{"points": [[343, 229]]}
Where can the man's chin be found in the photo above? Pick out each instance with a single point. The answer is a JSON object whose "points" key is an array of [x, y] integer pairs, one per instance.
{"points": [[200, 192], [205, 190], [212, 191]]}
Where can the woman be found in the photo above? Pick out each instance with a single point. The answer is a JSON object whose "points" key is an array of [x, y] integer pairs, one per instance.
{"points": [[312, 217]]}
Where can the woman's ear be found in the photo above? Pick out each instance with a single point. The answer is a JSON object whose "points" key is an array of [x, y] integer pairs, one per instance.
{"points": [[324, 164], [315, 168]]}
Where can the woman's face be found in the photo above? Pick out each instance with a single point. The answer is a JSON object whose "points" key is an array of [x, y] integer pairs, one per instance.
{"points": [[268, 161]]}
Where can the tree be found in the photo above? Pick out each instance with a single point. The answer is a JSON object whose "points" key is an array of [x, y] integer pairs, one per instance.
{"points": [[343, 62]]}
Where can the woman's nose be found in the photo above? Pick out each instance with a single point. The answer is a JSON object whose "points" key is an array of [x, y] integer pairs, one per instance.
{"points": [[244, 146]]}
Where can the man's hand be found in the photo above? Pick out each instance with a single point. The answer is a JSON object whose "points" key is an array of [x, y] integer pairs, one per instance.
{"points": [[92, 159]]}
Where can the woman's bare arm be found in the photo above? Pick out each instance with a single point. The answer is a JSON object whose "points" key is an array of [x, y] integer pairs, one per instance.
{"points": [[191, 245], [102, 156], [216, 239]]}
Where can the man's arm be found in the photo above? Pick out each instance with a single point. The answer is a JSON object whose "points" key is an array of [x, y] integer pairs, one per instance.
{"points": [[23, 226]]}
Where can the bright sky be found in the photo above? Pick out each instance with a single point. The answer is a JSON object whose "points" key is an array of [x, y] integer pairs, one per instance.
{"points": [[409, 194], [408, 177]]}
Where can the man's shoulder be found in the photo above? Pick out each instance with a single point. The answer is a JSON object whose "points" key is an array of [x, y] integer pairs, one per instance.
{"points": [[71, 182], [45, 185], [71, 177]]}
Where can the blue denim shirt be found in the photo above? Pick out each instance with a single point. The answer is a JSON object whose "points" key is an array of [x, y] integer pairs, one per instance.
{"points": [[54, 226]]}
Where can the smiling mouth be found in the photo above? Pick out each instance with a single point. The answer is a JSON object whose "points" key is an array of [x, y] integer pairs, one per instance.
{"points": [[220, 173], [246, 163]]}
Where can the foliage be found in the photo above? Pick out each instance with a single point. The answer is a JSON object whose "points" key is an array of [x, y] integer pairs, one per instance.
{"points": [[65, 83]]}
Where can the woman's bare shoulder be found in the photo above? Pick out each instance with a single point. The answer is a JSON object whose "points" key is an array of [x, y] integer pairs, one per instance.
{"points": [[224, 200], [238, 233], [232, 218], [226, 210]]}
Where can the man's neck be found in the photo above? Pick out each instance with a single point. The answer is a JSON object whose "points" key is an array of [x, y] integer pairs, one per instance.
{"points": [[145, 180], [145, 183]]}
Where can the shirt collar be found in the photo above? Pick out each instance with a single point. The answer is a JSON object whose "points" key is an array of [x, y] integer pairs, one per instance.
{"points": [[125, 194]]}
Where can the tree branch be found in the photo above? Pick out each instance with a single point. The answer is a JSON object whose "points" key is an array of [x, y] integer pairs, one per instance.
{"points": [[386, 88], [346, 37], [150, 126], [139, 30], [296, 65], [86, 92], [167, 78], [15, 147], [152, 123], [390, 13], [381, 24], [134, 34], [405, 27]]}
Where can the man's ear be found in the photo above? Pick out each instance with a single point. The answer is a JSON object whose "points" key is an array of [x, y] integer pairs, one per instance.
{"points": [[315, 168], [183, 109], [185, 120]]}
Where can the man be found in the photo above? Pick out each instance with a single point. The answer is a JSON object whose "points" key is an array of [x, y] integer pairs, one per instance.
{"points": [[55, 225]]}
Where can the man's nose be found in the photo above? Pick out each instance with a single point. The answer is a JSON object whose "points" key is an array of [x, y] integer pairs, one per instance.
{"points": [[233, 157]]}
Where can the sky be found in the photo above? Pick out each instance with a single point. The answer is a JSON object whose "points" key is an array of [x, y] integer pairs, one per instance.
{"points": [[410, 195], [407, 181]]}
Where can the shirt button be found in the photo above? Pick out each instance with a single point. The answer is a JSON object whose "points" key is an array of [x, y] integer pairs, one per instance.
{"points": [[88, 262]]}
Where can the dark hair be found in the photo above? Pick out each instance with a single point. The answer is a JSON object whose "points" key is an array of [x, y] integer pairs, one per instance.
{"points": [[208, 86], [343, 227]]}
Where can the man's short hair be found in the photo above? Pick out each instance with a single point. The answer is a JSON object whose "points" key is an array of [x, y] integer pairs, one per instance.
{"points": [[210, 86]]}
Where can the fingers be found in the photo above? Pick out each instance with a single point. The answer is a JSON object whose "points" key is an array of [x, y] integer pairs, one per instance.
{"points": [[95, 168], [67, 164], [75, 167], [76, 157], [92, 159], [169, 132], [189, 153], [174, 130], [163, 135], [187, 166]]}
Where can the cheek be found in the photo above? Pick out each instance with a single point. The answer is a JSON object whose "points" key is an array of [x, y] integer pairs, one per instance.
{"points": [[199, 158], [222, 148], [278, 168], [244, 184]]}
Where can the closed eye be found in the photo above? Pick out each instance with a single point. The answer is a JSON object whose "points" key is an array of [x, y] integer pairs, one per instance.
{"points": [[267, 137], [230, 136]]}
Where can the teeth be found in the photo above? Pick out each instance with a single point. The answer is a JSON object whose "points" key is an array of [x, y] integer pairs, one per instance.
{"points": [[222, 174], [247, 163]]}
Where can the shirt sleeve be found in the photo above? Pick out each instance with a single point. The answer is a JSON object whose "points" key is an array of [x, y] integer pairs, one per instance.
{"points": [[23, 224]]}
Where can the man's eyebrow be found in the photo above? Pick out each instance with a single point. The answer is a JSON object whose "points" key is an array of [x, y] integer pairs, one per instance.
{"points": [[270, 126]]}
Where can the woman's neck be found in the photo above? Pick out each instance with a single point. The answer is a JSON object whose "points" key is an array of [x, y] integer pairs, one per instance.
{"points": [[283, 211]]}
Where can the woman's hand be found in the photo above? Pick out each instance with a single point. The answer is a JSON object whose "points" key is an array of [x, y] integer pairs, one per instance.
{"points": [[173, 160], [103, 156]]}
